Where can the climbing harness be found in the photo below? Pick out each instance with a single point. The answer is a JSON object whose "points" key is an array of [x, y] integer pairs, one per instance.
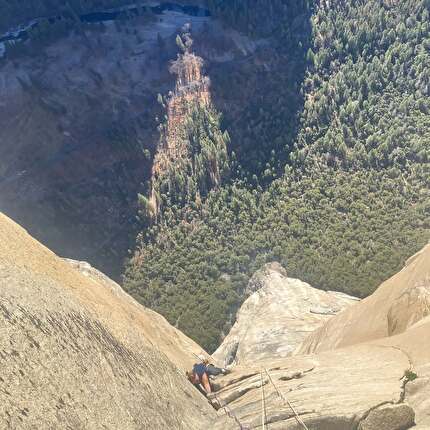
{"points": [[287, 402], [232, 415]]}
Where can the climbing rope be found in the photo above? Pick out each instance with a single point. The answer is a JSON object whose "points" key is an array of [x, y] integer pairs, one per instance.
{"points": [[226, 409], [241, 426], [263, 403], [231, 414], [287, 402]]}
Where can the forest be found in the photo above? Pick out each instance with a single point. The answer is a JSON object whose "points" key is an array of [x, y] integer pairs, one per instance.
{"points": [[342, 198], [352, 200], [325, 170]]}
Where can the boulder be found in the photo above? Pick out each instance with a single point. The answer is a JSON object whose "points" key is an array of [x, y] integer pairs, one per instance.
{"points": [[389, 417], [77, 352], [280, 313]]}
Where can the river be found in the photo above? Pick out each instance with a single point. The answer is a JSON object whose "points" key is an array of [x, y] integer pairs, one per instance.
{"points": [[21, 33]]}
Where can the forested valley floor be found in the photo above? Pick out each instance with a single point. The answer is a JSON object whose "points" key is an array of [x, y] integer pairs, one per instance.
{"points": [[330, 172]]}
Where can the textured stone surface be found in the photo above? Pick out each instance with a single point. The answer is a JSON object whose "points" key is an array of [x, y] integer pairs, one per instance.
{"points": [[259, 278], [418, 395], [410, 307], [415, 342], [389, 417], [180, 349], [345, 388], [338, 389], [331, 391], [398, 303], [277, 317], [396, 315], [76, 352]]}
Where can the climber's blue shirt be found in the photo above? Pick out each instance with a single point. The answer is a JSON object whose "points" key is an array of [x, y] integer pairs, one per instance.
{"points": [[199, 369]]}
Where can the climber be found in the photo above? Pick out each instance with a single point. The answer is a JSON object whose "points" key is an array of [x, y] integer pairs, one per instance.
{"points": [[211, 369], [201, 372], [200, 378]]}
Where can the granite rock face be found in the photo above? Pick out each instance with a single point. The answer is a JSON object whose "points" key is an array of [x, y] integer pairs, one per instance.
{"points": [[335, 390], [389, 417], [279, 314], [77, 352], [396, 305], [362, 375], [364, 386]]}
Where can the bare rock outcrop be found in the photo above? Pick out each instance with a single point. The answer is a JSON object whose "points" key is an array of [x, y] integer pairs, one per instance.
{"points": [[77, 352], [362, 375], [415, 343], [336, 390], [397, 304], [180, 349], [389, 417], [280, 313], [367, 386]]}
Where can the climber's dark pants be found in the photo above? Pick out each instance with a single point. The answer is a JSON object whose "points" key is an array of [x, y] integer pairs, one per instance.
{"points": [[212, 370]]}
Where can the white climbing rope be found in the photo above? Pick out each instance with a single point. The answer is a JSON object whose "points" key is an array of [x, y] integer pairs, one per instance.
{"points": [[287, 402], [231, 414], [264, 423], [263, 403]]}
